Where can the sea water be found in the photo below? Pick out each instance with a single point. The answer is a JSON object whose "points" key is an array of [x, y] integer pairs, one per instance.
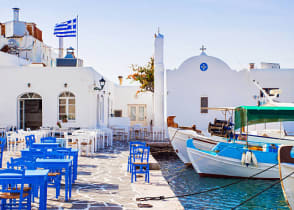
{"points": [[183, 180]]}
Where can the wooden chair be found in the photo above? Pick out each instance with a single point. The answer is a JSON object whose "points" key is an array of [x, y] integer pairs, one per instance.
{"points": [[12, 189]]}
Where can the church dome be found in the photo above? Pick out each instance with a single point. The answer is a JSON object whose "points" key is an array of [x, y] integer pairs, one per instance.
{"points": [[204, 62]]}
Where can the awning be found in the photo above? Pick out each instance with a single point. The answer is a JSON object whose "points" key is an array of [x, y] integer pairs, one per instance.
{"points": [[249, 115]]}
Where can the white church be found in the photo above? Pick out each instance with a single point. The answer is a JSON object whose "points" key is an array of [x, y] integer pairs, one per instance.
{"points": [[40, 88]]}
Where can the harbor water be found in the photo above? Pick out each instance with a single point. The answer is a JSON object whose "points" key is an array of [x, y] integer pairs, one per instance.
{"points": [[184, 180]]}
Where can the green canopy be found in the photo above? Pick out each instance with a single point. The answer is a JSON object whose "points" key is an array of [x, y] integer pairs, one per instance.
{"points": [[261, 114]]}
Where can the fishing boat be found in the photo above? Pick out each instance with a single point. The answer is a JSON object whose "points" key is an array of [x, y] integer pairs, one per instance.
{"points": [[243, 158], [234, 160], [286, 167], [180, 135]]}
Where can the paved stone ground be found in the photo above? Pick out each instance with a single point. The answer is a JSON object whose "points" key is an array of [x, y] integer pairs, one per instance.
{"points": [[104, 183]]}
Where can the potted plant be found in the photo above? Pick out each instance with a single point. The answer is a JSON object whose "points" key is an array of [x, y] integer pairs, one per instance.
{"points": [[64, 119], [58, 124]]}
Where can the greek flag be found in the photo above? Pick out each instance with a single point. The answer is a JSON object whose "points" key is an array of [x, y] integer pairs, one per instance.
{"points": [[66, 29]]}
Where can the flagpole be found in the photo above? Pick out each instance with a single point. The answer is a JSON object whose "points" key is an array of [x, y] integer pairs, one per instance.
{"points": [[77, 40]]}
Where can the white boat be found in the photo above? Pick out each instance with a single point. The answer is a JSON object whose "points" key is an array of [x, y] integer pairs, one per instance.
{"points": [[179, 136], [286, 166], [226, 160]]}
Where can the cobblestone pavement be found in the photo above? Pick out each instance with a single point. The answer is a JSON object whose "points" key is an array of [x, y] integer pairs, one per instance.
{"points": [[103, 183]]}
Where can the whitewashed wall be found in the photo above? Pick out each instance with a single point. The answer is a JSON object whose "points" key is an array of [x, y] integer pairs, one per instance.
{"points": [[124, 95], [223, 87], [11, 60], [49, 83]]}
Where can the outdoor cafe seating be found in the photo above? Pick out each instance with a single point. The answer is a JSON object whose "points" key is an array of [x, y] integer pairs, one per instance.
{"points": [[138, 160]]}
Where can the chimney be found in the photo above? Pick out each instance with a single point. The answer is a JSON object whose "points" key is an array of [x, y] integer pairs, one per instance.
{"points": [[120, 78], [251, 66], [15, 14]]}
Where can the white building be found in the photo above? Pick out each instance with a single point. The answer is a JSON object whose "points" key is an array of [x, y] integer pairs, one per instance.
{"points": [[205, 81], [38, 91]]}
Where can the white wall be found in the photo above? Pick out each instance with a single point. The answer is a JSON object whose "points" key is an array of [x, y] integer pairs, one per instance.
{"points": [[276, 78], [11, 60], [49, 83], [223, 87], [124, 95]]}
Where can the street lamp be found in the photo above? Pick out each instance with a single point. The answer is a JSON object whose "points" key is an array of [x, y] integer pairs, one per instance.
{"points": [[102, 84]]}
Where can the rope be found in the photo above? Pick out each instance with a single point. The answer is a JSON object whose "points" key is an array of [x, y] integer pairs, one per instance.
{"points": [[205, 191], [257, 194], [174, 135]]}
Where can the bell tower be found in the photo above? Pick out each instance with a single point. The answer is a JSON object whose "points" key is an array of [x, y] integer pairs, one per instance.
{"points": [[158, 81]]}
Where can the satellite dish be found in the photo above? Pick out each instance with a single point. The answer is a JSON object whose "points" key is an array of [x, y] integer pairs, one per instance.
{"points": [[12, 43]]}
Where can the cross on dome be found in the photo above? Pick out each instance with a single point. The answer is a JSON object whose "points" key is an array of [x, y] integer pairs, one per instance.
{"points": [[203, 48]]}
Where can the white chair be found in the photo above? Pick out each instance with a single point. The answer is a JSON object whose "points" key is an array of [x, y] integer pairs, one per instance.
{"points": [[85, 144]]}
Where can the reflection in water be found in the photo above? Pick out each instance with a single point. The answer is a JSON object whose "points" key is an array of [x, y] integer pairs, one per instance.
{"points": [[185, 180]]}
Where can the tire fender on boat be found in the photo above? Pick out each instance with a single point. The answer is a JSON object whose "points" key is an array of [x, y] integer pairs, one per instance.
{"points": [[248, 158], [243, 158], [254, 159]]}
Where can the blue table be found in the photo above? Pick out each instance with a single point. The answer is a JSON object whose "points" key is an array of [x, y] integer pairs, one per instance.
{"points": [[74, 153], [37, 178], [59, 164], [45, 145]]}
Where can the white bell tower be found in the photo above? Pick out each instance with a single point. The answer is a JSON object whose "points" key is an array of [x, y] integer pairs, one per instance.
{"points": [[158, 82]]}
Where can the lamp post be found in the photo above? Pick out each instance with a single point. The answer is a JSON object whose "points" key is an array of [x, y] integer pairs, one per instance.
{"points": [[101, 83]]}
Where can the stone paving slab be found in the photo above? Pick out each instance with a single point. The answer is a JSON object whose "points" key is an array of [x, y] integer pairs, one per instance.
{"points": [[104, 183]]}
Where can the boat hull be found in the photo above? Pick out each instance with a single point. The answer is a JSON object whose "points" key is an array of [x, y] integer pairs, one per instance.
{"points": [[210, 164], [286, 167], [179, 139]]}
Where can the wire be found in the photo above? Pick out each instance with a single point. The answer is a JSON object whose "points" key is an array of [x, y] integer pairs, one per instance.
{"points": [[257, 194], [205, 191]]}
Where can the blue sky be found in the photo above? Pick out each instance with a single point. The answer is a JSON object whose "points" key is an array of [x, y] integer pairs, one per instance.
{"points": [[113, 34]]}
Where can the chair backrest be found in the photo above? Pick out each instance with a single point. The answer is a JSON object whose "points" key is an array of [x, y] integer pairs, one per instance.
{"points": [[3, 141], [48, 139], [141, 154], [21, 163], [30, 139], [12, 182], [135, 143]]}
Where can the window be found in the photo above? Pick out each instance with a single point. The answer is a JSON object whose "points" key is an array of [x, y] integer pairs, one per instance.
{"points": [[117, 113], [204, 105], [67, 106], [137, 113]]}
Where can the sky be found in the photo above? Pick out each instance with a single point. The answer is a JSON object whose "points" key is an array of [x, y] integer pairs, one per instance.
{"points": [[113, 34]]}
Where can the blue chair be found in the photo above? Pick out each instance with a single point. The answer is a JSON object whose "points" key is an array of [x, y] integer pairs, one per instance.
{"points": [[30, 140], [21, 163], [2, 145], [12, 189], [140, 163], [49, 139], [131, 145]]}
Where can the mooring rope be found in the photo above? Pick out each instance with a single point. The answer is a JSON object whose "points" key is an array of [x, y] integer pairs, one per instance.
{"points": [[204, 191], [257, 194], [174, 135]]}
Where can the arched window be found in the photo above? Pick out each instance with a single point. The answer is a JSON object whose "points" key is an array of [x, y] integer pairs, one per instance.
{"points": [[67, 106]]}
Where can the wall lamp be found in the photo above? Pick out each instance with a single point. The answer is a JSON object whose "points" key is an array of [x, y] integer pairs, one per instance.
{"points": [[101, 83]]}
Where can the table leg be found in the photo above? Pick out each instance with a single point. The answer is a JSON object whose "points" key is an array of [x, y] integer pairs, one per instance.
{"points": [[75, 168], [66, 183], [43, 195], [70, 181]]}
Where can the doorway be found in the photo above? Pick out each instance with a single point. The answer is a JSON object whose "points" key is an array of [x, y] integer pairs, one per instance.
{"points": [[137, 114], [30, 111]]}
